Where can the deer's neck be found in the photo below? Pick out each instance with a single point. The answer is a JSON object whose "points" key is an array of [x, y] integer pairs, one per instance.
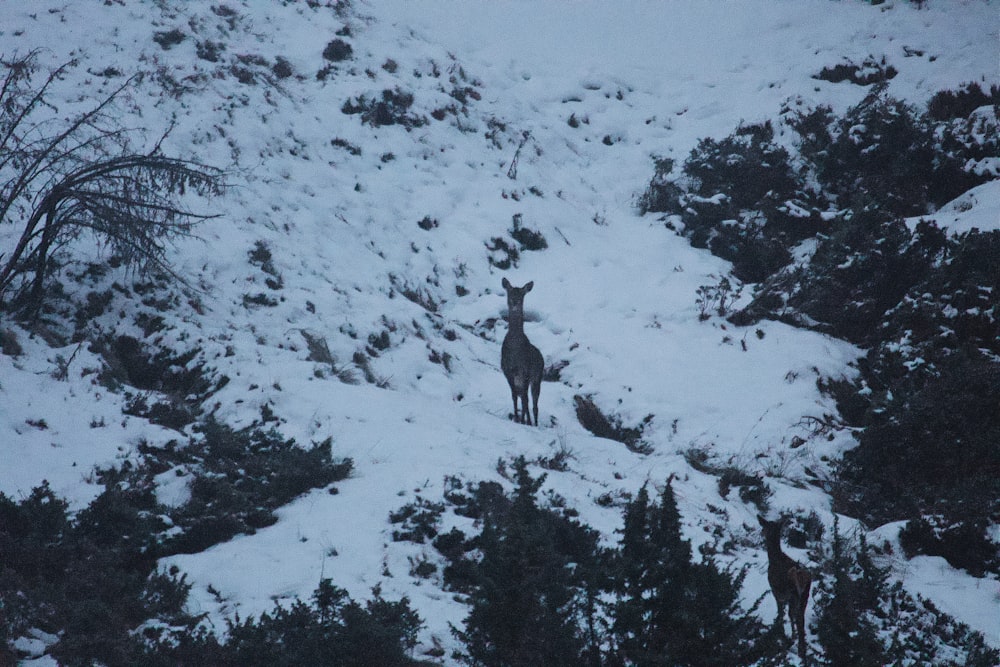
{"points": [[774, 552], [515, 323]]}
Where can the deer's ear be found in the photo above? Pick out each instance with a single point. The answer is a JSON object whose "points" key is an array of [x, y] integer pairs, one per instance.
{"points": [[506, 284], [527, 288]]}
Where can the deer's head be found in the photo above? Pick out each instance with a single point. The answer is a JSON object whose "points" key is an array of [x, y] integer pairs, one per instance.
{"points": [[771, 529], [515, 298]]}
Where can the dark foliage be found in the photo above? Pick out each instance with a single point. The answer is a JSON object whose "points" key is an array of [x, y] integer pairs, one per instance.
{"points": [[610, 426], [738, 202], [427, 223], [857, 274], [240, 478], [662, 195], [168, 39], [964, 544], [861, 619], [923, 303], [931, 384], [131, 362], [883, 155], [338, 50], [528, 239], [843, 625], [868, 72], [670, 609], [532, 593], [330, 630], [502, 254], [948, 104], [543, 591], [91, 580], [391, 108], [418, 521]]}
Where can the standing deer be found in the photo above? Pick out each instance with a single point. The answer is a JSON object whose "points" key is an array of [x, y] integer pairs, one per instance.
{"points": [[521, 361], [789, 581]]}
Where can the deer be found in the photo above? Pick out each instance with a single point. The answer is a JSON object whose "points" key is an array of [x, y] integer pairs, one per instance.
{"points": [[790, 583], [522, 363]]}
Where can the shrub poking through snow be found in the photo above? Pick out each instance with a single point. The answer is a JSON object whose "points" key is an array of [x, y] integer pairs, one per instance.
{"points": [[392, 107], [868, 72], [91, 582], [737, 200], [337, 51], [529, 239], [949, 104], [610, 426]]}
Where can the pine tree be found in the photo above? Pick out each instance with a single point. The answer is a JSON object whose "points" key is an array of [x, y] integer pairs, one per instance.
{"points": [[526, 605], [671, 610], [845, 632]]}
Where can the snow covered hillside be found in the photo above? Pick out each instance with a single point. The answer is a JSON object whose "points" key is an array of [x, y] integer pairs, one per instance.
{"points": [[389, 163]]}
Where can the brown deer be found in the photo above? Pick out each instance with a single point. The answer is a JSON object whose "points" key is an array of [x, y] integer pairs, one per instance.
{"points": [[521, 361], [789, 581]]}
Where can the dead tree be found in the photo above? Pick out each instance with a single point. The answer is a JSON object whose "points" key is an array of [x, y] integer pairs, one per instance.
{"points": [[58, 182]]}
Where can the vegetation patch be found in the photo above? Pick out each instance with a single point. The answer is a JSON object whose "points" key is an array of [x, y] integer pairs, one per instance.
{"points": [[920, 301], [392, 107], [338, 50], [868, 72], [862, 619], [91, 583], [542, 590], [610, 426]]}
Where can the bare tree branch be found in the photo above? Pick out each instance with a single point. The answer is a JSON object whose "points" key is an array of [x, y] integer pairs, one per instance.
{"points": [[83, 176]]}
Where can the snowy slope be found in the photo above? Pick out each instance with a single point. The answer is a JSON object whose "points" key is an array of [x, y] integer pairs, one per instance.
{"points": [[614, 293]]}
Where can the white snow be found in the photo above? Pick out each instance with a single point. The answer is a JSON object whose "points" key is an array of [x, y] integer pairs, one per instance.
{"points": [[616, 300]]}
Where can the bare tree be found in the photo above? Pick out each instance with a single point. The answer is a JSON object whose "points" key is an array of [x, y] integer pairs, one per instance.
{"points": [[61, 178]]}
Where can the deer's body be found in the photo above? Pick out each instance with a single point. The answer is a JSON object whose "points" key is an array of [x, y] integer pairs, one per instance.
{"points": [[522, 362], [790, 583]]}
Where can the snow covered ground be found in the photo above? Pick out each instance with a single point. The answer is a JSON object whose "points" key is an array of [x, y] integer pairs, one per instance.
{"points": [[614, 294]]}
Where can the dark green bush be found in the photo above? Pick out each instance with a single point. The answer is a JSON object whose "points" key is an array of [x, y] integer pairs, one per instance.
{"points": [[240, 478], [333, 630], [418, 521], [167, 39], [923, 303], [91, 580], [882, 154], [131, 362], [868, 72], [337, 51], [860, 618], [964, 545], [948, 104], [529, 239], [738, 200], [391, 108]]}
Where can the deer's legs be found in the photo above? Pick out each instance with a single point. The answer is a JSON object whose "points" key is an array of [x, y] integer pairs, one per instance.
{"points": [[513, 395], [780, 619], [536, 388], [797, 615], [525, 411]]}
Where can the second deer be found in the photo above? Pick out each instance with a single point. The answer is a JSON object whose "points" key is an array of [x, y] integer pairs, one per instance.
{"points": [[522, 362], [790, 583]]}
